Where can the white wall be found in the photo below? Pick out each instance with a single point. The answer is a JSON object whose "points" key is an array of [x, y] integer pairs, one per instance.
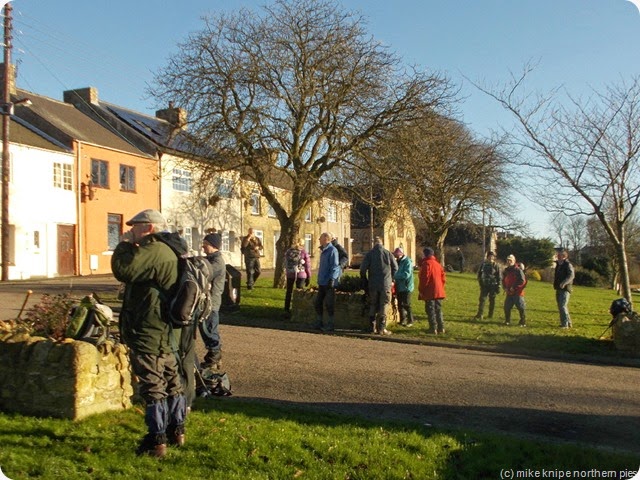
{"points": [[36, 206]]}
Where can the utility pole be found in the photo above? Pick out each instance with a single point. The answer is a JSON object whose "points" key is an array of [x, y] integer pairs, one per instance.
{"points": [[6, 120]]}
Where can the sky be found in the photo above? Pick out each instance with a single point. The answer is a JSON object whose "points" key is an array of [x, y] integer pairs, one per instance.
{"points": [[116, 46]]}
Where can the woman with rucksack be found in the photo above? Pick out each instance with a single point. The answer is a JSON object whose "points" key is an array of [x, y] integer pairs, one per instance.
{"points": [[297, 267]]}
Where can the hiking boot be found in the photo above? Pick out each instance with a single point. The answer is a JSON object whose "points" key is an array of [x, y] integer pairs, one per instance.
{"points": [[441, 332], [213, 358], [410, 324], [177, 436], [384, 331], [153, 445], [478, 318], [432, 331], [507, 323]]}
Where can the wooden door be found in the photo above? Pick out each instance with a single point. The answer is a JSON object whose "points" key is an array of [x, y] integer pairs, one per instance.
{"points": [[66, 250]]}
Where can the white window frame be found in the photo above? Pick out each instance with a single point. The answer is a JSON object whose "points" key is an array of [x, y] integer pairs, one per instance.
{"points": [[182, 180], [332, 213], [255, 208]]}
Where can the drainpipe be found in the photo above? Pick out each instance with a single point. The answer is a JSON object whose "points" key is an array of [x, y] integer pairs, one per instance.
{"points": [[79, 219]]}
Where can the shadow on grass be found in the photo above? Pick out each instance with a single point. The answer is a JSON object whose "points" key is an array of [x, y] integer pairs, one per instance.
{"points": [[480, 451]]}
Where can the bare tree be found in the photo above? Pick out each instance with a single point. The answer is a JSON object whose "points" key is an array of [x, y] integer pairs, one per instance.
{"points": [[584, 155], [443, 173], [299, 83]]}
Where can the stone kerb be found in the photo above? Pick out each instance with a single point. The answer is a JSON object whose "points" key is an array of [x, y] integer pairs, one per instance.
{"points": [[350, 312], [69, 379]]}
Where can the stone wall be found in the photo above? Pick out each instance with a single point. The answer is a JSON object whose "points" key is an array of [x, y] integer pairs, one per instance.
{"points": [[70, 379], [351, 313], [626, 332]]}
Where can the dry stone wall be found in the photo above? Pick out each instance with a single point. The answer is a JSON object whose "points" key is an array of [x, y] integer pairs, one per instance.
{"points": [[70, 379], [351, 311]]}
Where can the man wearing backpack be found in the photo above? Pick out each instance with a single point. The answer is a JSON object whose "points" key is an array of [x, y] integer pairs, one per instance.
{"points": [[514, 281], [148, 267], [211, 245], [489, 280], [297, 266]]}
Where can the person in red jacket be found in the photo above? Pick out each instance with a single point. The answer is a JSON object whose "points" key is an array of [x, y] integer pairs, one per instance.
{"points": [[514, 281], [431, 290]]}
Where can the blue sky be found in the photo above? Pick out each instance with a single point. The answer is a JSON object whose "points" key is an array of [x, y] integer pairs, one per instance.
{"points": [[116, 45]]}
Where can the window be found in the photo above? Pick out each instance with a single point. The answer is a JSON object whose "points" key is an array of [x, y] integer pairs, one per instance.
{"points": [[332, 213], [127, 178], [271, 212], [254, 201], [260, 235], [100, 173], [225, 188], [187, 234], [308, 243], [307, 217], [62, 175], [114, 230], [225, 241], [181, 180]]}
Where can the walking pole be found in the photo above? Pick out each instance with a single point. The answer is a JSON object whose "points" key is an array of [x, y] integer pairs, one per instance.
{"points": [[24, 304], [610, 325]]}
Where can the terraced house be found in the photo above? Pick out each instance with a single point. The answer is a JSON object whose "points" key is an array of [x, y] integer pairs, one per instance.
{"points": [[82, 167]]}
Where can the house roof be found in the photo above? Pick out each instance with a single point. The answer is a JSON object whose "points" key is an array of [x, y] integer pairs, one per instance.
{"points": [[24, 133], [65, 123]]}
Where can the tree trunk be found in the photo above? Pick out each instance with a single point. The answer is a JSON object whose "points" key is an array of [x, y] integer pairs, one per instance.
{"points": [[289, 231], [625, 281]]}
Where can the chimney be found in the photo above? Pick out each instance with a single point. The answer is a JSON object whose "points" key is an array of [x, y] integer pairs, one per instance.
{"points": [[12, 78], [177, 117], [88, 95]]}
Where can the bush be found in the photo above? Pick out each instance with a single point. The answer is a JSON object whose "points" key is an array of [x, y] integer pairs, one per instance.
{"points": [[534, 275], [588, 278], [349, 283], [50, 317]]}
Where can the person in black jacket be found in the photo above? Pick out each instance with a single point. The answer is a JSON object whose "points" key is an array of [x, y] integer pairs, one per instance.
{"points": [[211, 245], [562, 283]]}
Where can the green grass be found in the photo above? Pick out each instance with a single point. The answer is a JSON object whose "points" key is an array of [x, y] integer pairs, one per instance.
{"points": [[234, 439], [589, 309]]}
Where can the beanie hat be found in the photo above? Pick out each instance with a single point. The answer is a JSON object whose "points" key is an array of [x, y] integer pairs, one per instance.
{"points": [[398, 252], [214, 239], [428, 252]]}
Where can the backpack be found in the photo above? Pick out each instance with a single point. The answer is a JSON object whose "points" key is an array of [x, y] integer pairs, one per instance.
{"points": [[90, 320], [293, 262], [621, 305], [190, 301], [487, 275], [343, 256], [210, 383]]}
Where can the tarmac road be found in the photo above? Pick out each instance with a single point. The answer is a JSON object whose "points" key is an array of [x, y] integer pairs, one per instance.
{"points": [[591, 404]]}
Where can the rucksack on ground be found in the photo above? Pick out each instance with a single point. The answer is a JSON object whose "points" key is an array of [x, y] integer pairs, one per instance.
{"points": [[621, 305], [90, 320], [190, 301], [211, 383], [293, 261]]}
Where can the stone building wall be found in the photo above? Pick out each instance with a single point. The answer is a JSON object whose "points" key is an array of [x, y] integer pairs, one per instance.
{"points": [[70, 379]]}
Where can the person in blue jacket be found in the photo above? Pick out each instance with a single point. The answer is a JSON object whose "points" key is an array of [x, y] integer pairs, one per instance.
{"points": [[328, 275], [404, 286]]}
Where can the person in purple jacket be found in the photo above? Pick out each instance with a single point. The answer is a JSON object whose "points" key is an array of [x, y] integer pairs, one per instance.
{"points": [[297, 266]]}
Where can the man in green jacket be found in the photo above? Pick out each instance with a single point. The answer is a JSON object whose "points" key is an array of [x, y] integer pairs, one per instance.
{"points": [[149, 269]]}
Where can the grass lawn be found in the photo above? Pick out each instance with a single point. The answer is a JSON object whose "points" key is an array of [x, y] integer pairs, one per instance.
{"points": [[589, 309], [231, 438]]}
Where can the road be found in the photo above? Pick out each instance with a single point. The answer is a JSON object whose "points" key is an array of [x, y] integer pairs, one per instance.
{"points": [[592, 404], [444, 387]]}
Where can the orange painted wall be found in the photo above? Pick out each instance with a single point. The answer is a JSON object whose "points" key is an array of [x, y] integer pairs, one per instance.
{"points": [[93, 214]]}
